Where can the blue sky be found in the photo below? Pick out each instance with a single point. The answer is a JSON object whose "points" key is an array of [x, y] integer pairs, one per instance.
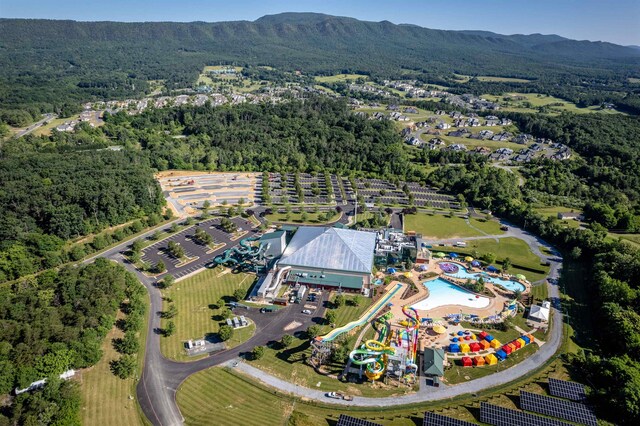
{"points": [[617, 21]]}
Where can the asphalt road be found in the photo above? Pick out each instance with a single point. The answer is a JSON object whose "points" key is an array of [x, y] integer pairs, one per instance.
{"points": [[34, 126]]}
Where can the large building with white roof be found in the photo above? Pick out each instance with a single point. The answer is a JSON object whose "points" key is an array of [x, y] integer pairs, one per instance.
{"points": [[331, 258]]}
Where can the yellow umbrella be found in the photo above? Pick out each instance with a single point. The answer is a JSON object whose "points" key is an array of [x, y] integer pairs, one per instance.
{"points": [[408, 274], [468, 259], [439, 329]]}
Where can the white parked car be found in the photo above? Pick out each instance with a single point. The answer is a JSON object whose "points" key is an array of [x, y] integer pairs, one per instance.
{"points": [[306, 311]]}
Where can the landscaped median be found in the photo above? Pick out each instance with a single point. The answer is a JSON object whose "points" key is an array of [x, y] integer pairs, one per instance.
{"points": [[198, 311]]}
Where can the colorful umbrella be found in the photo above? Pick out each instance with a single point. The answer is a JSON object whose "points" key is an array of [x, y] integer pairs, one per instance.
{"points": [[521, 277], [439, 329], [468, 259]]}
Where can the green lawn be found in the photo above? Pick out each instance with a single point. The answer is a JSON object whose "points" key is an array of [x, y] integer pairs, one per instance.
{"points": [[340, 78], [194, 298], [522, 259], [241, 400], [439, 226], [538, 100], [105, 397], [553, 212], [540, 292], [503, 79]]}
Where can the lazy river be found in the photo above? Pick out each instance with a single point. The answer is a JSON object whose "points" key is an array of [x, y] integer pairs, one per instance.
{"points": [[464, 274]]}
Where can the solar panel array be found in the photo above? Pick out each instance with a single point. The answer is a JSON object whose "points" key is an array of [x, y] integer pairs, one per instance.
{"points": [[500, 416], [433, 419], [550, 406], [345, 420], [570, 390]]}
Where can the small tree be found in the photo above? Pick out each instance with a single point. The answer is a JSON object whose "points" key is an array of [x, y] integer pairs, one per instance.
{"points": [[330, 316], [576, 252], [304, 217], [339, 301], [239, 294], [313, 331], [168, 281], [137, 246], [169, 329], [127, 345], [221, 303], [160, 267], [171, 312], [123, 367], [225, 333], [205, 207], [257, 352], [355, 301], [506, 264], [286, 340]]}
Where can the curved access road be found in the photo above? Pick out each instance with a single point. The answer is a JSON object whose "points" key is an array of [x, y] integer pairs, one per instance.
{"points": [[161, 377]]}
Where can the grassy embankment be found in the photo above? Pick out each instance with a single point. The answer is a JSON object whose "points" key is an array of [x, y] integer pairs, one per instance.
{"points": [[198, 316]]}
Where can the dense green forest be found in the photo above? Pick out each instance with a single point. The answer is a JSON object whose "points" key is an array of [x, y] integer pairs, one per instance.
{"points": [[54, 323], [54, 65], [315, 134], [51, 193]]}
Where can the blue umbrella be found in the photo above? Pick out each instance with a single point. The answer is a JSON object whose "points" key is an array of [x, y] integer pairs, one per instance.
{"points": [[453, 255], [475, 263], [391, 270], [492, 268]]}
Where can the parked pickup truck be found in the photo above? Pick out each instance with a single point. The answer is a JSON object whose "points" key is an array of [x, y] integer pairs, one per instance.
{"points": [[338, 395]]}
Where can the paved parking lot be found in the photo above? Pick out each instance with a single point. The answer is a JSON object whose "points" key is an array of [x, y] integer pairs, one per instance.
{"points": [[157, 251]]}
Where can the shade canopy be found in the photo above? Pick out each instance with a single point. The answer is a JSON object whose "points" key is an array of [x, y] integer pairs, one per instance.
{"points": [[391, 270], [468, 259], [439, 329], [521, 277], [475, 263], [453, 255], [439, 254], [492, 268]]}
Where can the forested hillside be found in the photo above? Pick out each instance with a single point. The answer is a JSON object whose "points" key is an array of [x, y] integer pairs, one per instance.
{"points": [[51, 194], [52, 65]]}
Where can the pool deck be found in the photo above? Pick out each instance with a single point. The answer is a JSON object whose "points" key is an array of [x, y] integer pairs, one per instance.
{"points": [[496, 303]]}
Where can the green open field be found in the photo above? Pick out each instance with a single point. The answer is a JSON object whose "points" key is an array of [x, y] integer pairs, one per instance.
{"points": [[195, 298], [472, 143], [105, 397], [522, 259], [340, 78], [503, 79], [439, 226], [633, 80], [208, 68], [538, 100], [241, 400], [634, 239], [553, 212], [295, 217]]}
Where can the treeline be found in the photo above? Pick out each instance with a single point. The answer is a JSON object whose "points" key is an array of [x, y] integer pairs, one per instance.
{"points": [[605, 177], [48, 198], [54, 323], [316, 134]]}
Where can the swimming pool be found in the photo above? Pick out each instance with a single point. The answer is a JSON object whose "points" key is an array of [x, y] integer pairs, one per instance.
{"points": [[508, 284], [442, 292]]}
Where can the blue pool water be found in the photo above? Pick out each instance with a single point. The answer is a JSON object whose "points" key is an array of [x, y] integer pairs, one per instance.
{"points": [[508, 284], [442, 292]]}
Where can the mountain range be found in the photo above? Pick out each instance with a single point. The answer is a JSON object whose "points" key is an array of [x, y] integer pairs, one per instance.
{"points": [[103, 58]]}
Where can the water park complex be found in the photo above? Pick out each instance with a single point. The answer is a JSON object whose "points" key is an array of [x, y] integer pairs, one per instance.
{"points": [[430, 311]]}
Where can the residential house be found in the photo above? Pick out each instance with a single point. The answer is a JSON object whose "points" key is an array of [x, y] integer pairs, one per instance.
{"points": [[462, 133], [443, 126], [502, 137], [486, 134]]}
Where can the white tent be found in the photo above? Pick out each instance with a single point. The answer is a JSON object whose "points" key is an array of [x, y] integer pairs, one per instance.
{"points": [[539, 313]]}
